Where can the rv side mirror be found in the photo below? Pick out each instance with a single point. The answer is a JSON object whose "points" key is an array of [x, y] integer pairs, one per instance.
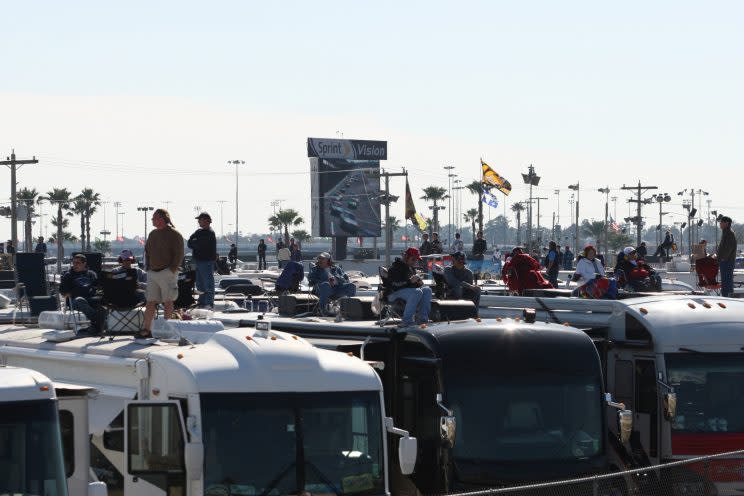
{"points": [[407, 452], [624, 425], [447, 430], [670, 405], [97, 489]]}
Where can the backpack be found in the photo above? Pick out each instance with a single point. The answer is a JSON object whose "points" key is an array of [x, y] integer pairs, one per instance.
{"points": [[558, 259]]}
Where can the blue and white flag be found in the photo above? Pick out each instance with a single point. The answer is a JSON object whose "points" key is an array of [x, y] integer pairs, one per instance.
{"points": [[490, 200]]}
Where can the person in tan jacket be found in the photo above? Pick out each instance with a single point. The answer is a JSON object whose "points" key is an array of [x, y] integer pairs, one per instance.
{"points": [[163, 257]]}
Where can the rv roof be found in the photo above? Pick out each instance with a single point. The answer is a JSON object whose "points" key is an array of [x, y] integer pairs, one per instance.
{"points": [[236, 360], [701, 323], [19, 384]]}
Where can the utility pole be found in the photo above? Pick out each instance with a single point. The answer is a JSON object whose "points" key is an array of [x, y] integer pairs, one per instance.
{"points": [[116, 209], [11, 162], [236, 163], [539, 232], [222, 218], [640, 189], [386, 199], [449, 168]]}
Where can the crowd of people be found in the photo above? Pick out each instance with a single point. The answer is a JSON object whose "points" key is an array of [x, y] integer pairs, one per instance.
{"points": [[520, 271]]}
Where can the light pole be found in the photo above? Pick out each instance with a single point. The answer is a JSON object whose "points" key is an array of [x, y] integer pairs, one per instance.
{"points": [[222, 218], [449, 168], [122, 224], [236, 163], [533, 180], [606, 191], [144, 210], [661, 198], [575, 187]]}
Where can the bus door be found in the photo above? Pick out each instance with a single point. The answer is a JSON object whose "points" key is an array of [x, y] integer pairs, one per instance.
{"points": [[635, 385], [418, 413]]}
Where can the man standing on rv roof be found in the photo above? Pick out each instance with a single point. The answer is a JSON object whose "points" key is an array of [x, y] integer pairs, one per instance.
{"points": [[163, 256], [203, 243], [726, 254]]}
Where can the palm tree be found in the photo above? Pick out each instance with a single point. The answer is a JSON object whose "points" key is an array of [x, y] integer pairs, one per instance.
{"points": [[28, 197], [61, 198], [91, 200], [79, 208], [477, 188], [471, 216], [434, 194], [285, 218], [593, 229], [517, 208], [301, 235]]}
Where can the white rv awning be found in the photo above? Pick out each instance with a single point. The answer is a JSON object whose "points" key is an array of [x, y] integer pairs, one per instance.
{"points": [[104, 406]]}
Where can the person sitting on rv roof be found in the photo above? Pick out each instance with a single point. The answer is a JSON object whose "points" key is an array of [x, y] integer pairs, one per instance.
{"points": [[329, 281], [126, 263], [591, 277], [638, 274], [79, 286], [459, 280], [522, 272], [409, 287]]}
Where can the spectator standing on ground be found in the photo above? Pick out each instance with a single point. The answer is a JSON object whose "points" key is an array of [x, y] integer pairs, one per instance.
{"points": [[79, 285], [10, 247], [203, 244], [232, 255], [460, 281], [496, 259], [329, 281], [642, 250], [425, 248], [479, 252], [552, 263], [261, 254], [568, 258], [457, 244], [163, 256], [726, 255], [41, 247], [436, 245]]}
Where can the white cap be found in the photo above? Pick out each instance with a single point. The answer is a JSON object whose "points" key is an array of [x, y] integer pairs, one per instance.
{"points": [[628, 250]]}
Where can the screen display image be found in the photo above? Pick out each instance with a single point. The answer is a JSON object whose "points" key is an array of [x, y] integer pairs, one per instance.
{"points": [[349, 197]]}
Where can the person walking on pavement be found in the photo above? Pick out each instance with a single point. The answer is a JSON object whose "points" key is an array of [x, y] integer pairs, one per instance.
{"points": [[203, 244], [261, 254], [552, 263], [568, 257], [726, 255], [163, 257]]}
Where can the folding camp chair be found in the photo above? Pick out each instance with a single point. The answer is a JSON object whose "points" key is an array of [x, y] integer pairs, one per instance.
{"points": [[387, 310], [185, 300], [121, 302], [706, 269], [32, 290]]}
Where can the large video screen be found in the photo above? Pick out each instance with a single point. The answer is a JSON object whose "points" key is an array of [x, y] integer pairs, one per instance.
{"points": [[346, 196]]}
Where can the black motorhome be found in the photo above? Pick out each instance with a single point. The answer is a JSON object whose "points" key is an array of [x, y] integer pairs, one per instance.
{"points": [[492, 404]]}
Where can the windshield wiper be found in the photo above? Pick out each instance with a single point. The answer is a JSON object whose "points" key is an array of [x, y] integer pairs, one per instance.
{"points": [[271, 485], [689, 350]]}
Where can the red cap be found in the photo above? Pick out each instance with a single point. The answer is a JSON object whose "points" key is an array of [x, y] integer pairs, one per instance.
{"points": [[412, 252]]}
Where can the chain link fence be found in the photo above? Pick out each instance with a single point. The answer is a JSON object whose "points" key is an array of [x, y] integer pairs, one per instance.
{"points": [[721, 474]]}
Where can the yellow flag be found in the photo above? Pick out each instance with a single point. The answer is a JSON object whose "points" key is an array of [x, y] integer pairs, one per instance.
{"points": [[492, 178]]}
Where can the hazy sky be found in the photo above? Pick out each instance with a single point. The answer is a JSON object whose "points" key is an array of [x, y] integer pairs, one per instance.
{"points": [[145, 102]]}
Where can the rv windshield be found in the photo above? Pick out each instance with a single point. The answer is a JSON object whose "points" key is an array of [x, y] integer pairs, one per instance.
{"points": [[710, 391], [31, 449], [526, 418], [323, 443]]}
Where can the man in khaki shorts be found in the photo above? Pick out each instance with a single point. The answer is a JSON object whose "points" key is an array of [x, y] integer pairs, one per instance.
{"points": [[163, 257]]}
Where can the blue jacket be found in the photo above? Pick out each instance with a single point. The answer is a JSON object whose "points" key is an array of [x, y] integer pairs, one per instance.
{"points": [[318, 275]]}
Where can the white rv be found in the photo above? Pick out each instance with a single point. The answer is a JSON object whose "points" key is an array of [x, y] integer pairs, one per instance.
{"points": [[247, 412], [31, 447]]}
